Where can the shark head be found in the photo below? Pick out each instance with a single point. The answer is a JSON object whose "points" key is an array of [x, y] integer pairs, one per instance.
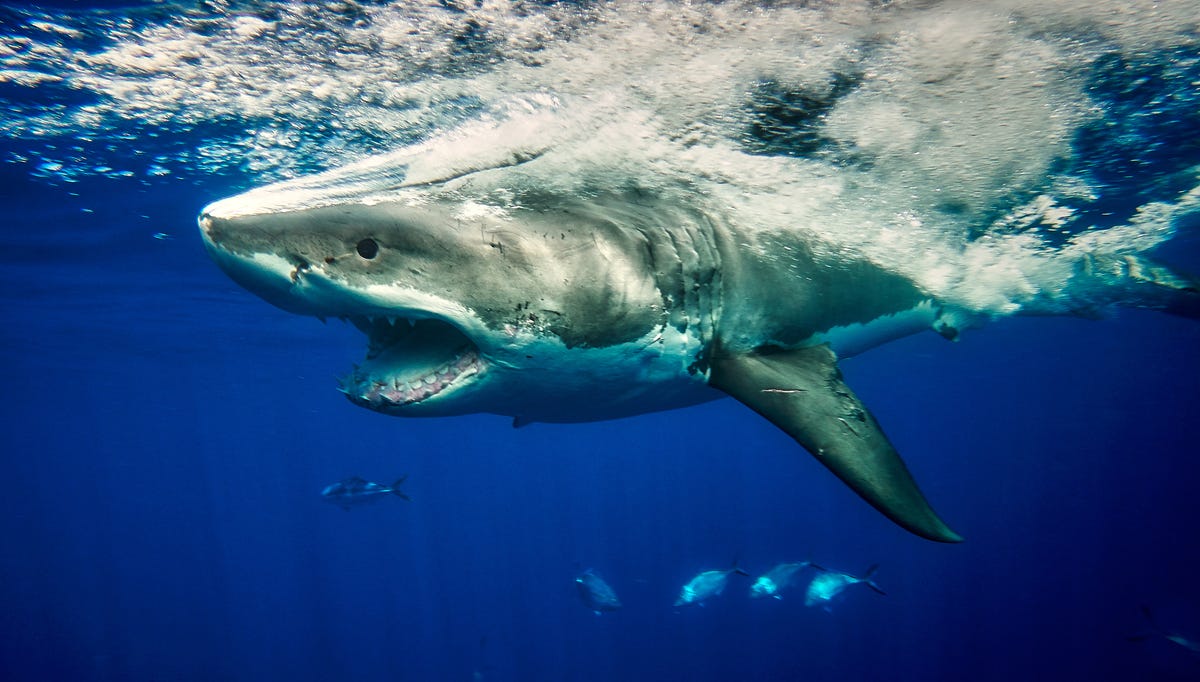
{"points": [[544, 310]]}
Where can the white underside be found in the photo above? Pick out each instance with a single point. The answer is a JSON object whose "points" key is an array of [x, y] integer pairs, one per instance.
{"points": [[560, 384], [853, 339]]}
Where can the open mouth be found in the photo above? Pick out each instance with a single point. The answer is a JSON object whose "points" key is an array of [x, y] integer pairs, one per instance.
{"points": [[409, 362]]}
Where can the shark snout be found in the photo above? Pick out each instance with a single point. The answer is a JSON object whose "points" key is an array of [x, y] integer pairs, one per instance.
{"points": [[205, 221], [271, 276], [215, 228]]}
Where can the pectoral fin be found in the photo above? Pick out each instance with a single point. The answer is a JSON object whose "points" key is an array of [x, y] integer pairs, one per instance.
{"points": [[802, 392]]}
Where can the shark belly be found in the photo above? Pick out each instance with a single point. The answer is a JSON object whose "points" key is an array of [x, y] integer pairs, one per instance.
{"points": [[849, 340]]}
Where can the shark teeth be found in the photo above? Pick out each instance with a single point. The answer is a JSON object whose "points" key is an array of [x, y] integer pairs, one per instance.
{"points": [[381, 393]]}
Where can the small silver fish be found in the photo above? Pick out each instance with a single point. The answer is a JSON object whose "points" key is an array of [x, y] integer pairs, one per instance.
{"points": [[707, 584], [779, 578], [1191, 645], [828, 585], [355, 491], [596, 594]]}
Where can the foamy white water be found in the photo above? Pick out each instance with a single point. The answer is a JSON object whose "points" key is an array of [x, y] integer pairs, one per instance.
{"points": [[986, 150]]}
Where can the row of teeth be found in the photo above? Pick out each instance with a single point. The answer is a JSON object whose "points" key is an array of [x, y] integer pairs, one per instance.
{"points": [[375, 393]]}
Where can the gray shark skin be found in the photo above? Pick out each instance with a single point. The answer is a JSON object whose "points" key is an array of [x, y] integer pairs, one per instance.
{"points": [[483, 287]]}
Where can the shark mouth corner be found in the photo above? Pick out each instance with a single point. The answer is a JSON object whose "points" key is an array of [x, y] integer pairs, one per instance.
{"points": [[410, 363]]}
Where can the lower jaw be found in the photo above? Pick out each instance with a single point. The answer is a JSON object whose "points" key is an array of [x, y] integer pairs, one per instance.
{"points": [[382, 392]]}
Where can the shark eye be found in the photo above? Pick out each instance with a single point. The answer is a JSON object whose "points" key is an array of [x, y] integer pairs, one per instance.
{"points": [[367, 248]]}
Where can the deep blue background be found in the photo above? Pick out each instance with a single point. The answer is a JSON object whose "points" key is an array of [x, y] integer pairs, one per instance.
{"points": [[165, 435]]}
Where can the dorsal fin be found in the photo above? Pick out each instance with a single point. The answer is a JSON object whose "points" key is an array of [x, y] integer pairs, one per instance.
{"points": [[802, 392]]}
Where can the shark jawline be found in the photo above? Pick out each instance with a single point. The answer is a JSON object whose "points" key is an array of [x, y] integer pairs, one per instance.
{"points": [[410, 362]]}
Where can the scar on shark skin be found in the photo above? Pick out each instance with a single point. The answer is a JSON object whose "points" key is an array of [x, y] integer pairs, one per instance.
{"points": [[847, 425], [783, 390]]}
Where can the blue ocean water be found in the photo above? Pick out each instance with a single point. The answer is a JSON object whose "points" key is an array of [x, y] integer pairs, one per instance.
{"points": [[166, 436]]}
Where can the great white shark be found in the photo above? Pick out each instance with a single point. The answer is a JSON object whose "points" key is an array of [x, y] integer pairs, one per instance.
{"points": [[481, 286]]}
